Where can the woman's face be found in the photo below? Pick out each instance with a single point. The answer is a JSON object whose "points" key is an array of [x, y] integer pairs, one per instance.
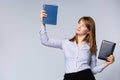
{"points": [[81, 28]]}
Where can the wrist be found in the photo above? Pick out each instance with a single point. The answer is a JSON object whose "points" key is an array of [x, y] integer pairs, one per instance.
{"points": [[106, 64], [41, 23]]}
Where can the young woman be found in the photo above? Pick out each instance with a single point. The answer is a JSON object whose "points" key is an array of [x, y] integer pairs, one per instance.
{"points": [[80, 51]]}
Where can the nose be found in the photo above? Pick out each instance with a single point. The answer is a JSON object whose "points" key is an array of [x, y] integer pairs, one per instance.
{"points": [[79, 26]]}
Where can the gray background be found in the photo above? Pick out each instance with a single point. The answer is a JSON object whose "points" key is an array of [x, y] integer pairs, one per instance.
{"points": [[22, 57]]}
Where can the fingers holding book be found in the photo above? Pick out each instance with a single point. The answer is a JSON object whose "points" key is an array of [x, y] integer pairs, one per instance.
{"points": [[42, 15], [110, 59]]}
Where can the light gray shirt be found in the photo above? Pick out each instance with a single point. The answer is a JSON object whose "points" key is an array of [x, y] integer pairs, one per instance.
{"points": [[76, 58]]}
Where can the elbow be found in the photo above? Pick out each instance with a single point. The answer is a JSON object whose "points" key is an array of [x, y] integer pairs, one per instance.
{"points": [[43, 43], [96, 71]]}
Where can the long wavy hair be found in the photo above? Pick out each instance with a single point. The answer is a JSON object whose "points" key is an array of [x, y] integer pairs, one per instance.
{"points": [[91, 37]]}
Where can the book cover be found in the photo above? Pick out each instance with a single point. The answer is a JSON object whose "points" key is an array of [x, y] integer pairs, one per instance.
{"points": [[106, 49], [51, 11]]}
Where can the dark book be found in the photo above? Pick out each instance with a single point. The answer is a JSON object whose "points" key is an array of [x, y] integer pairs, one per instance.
{"points": [[51, 11], [106, 49]]}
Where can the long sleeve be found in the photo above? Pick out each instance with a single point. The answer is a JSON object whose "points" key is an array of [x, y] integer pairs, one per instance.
{"points": [[49, 42], [95, 69]]}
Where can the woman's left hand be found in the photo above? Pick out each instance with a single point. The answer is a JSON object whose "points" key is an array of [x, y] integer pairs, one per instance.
{"points": [[110, 60]]}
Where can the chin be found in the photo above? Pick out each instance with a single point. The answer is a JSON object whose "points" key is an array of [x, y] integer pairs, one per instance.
{"points": [[77, 32]]}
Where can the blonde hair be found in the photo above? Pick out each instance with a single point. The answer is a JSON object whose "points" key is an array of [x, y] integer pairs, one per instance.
{"points": [[91, 37]]}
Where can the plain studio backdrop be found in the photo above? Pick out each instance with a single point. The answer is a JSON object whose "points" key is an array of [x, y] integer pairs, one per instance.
{"points": [[22, 57]]}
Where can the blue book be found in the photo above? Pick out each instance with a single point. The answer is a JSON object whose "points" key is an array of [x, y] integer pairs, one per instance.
{"points": [[51, 11]]}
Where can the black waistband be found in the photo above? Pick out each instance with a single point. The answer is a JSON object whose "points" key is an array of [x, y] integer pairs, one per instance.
{"points": [[86, 70]]}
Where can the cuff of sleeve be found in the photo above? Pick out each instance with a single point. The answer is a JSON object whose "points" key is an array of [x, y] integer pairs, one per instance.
{"points": [[102, 66], [42, 29]]}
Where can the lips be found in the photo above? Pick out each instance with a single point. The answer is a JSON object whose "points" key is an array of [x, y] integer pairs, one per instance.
{"points": [[78, 30]]}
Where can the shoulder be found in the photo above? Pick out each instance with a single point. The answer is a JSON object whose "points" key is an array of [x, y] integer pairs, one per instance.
{"points": [[67, 42]]}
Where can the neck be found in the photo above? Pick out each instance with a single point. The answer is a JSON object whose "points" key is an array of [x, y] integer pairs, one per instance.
{"points": [[80, 39]]}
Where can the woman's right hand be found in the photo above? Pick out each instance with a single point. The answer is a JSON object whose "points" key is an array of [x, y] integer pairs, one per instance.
{"points": [[42, 15]]}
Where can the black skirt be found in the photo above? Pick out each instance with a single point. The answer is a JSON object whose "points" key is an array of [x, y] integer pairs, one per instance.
{"points": [[81, 75]]}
